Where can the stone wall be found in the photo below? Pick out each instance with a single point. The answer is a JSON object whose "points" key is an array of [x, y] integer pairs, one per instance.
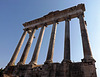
{"points": [[79, 69]]}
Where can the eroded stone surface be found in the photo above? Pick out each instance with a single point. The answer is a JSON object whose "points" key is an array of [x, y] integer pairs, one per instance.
{"points": [[79, 69], [56, 16], [86, 68]]}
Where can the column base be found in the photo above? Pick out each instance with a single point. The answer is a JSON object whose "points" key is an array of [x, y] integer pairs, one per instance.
{"points": [[11, 64], [91, 60], [20, 63], [66, 61], [33, 63], [48, 62]]}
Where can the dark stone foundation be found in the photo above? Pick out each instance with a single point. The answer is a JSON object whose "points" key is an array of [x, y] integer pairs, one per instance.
{"points": [[78, 69]]}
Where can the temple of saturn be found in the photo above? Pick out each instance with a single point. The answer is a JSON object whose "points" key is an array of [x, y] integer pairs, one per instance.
{"points": [[67, 68]]}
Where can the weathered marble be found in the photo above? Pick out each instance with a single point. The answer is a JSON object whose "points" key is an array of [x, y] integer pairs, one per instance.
{"points": [[56, 16], [16, 52], [49, 58], [66, 68], [85, 40], [37, 47], [27, 48], [67, 41]]}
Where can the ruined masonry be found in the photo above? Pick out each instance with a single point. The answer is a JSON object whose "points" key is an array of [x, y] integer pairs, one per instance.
{"points": [[85, 68]]}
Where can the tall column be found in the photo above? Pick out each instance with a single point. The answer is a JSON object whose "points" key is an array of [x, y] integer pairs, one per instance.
{"points": [[85, 41], [27, 48], [51, 44], [67, 41], [37, 47], [16, 52]]}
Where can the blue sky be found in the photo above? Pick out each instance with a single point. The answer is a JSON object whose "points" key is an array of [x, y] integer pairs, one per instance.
{"points": [[13, 13]]}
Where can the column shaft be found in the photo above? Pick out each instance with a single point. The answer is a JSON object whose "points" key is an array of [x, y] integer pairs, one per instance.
{"points": [[37, 47], [51, 44], [67, 41], [27, 48], [16, 52], [85, 40]]}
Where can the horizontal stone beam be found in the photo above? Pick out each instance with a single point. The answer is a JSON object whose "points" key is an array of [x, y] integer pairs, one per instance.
{"points": [[56, 16]]}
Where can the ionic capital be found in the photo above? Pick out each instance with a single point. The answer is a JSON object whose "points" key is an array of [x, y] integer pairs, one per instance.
{"points": [[82, 14], [67, 19], [55, 21]]}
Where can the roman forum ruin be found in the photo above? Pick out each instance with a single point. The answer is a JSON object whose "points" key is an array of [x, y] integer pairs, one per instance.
{"points": [[67, 68]]}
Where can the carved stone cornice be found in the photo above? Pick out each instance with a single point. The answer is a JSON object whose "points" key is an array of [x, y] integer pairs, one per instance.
{"points": [[56, 16]]}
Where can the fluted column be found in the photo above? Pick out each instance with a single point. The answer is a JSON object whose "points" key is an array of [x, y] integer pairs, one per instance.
{"points": [[67, 41], [16, 52], [37, 47], [27, 48], [49, 58], [85, 41]]}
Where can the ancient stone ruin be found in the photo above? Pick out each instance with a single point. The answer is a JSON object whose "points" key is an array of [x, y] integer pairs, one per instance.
{"points": [[85, 68]]}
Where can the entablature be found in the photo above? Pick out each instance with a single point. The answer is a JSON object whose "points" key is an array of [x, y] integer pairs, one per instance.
{"points": [[57, 16]]}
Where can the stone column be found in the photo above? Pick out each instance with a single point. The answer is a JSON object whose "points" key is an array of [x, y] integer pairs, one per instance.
{"points": [[16, 52], [85, 41], [37, 47], [51, 44], [67, 41], [27, 48]]}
